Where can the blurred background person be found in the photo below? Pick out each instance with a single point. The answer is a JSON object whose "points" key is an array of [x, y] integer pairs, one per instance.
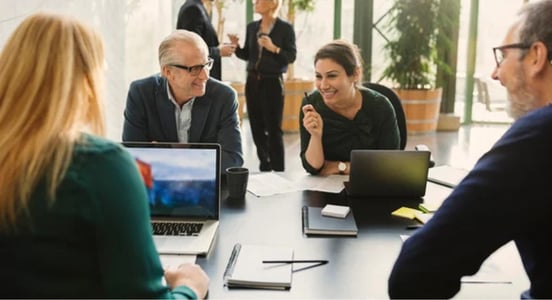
{"points": [[193, 16], [341, 115], [74, 215], [268, 49]]}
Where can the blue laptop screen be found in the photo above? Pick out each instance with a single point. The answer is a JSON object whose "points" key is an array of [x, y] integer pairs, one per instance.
{"points": [[180, 182]]}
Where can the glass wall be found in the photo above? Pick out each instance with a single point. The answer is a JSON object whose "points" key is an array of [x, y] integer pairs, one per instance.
{"points": [[132, 30]]}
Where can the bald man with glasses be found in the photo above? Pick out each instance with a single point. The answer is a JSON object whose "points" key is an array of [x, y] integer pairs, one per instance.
{"points": [[182, 103]]}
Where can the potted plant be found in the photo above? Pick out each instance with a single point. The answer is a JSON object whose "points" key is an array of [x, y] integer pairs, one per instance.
{"points": [[414, 61]]}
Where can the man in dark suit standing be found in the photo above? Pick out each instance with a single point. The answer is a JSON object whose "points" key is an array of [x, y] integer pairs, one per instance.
{"points": [[182, 104], [194, 17]]}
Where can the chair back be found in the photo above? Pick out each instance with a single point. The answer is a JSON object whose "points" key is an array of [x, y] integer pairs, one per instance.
{"points": [[396, 102]]}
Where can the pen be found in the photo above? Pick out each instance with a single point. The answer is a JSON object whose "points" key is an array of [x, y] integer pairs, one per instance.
{"points": [[295, 261]]}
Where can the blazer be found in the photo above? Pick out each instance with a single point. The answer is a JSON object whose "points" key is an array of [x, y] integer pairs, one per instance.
{"points": [[149, 116], [193, 16]]}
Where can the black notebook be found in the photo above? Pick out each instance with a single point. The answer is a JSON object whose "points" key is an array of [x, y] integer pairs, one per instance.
{"points": [[315, 223], [246, 269]]}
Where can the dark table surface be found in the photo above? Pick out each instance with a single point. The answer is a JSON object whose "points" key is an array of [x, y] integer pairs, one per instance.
{"points": [[358, 266]]}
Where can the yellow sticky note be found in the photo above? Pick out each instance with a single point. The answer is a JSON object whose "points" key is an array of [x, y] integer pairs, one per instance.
{"points": [[406, 212]]}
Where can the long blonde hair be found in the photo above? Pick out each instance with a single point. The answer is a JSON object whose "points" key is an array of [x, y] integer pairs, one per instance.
{"points": [[51, 71]]}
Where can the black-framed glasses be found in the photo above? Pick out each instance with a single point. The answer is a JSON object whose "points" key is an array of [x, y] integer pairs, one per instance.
{"points": [[499, 51], [195, 70]]}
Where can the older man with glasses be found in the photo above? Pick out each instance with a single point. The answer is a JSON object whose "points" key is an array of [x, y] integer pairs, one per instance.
{"points": [[507, 195], [182, 104]]}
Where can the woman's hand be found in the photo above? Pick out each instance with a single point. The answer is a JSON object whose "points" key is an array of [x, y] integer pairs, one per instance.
{"points": [[312, 121], [227, 49], [190, 275], [266, 42], [234, 39]]}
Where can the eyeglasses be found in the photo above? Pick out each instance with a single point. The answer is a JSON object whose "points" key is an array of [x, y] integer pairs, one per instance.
{"points": [[499, 51], [195, 70]]}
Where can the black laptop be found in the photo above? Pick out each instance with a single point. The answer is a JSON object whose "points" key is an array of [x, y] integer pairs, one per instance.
{"points": [[388, 173]]}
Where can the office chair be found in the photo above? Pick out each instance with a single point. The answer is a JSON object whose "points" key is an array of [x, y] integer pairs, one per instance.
{"points": [[400, 115], [396, 102], [483, 95]]}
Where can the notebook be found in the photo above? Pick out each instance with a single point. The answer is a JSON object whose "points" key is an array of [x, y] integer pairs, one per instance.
{"points": [[314, 223], [388, 173], [246, 268], [183, 185], [447, 175]]}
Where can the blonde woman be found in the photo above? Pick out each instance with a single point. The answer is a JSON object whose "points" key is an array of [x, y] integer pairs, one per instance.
{"points": [[268, 49], [74, 218]]}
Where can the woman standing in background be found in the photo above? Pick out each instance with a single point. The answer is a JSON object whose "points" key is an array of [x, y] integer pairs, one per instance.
{"points": [[268, 49], [74, 215]]}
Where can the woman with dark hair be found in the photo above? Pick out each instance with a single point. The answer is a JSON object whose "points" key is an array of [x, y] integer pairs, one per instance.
{"points": [[341, 115]]}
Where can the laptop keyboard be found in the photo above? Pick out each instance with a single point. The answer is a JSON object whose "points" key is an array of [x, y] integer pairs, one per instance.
{"points": [[176, 228]]}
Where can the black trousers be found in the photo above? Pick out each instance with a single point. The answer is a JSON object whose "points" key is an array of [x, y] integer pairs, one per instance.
{"points": [[265, 106]]}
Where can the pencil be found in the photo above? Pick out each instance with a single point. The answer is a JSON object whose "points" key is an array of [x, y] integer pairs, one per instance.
{"points": [[320, 261]]}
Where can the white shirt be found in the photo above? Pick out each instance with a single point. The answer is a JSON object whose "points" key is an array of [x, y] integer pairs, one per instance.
{"points": [[183, 116]]}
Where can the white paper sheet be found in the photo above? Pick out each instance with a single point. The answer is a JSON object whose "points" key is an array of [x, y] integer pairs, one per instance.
{"points": [[330, 184], [269, 183], [272, 183]]}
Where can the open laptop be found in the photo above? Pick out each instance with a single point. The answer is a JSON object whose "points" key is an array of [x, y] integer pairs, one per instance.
{"points": [[388, 173], [183, 185]]}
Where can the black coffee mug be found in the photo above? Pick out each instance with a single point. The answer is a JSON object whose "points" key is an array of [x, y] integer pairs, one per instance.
{"points": [[236, 180]]}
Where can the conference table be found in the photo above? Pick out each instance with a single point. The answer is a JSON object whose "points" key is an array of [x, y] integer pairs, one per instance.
{"points": [[358, 266]]}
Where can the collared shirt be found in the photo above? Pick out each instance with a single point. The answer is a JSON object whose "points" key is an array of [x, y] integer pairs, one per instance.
{"points": [[183, 116]]}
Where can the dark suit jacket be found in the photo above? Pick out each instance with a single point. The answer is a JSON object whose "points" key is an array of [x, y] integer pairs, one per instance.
{"points": [[149, 116], [193, 17]]}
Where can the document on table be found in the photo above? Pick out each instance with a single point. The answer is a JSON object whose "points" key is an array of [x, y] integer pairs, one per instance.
{"points": [[271, 183], [330, 184]]}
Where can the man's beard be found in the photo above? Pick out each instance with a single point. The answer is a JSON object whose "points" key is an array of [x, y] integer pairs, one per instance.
{"points": [[520, 100]]}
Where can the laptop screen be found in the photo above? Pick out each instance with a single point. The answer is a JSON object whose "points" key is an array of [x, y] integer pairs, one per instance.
{"points": [[182, 180], [388, 173]]}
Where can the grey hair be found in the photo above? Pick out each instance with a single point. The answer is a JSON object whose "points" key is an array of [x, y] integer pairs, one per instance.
{"points": [[167, 54], [535, 24]]}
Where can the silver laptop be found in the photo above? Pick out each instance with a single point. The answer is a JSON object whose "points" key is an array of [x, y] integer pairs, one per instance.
{"points": [[388, 173], [183, 185]]}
